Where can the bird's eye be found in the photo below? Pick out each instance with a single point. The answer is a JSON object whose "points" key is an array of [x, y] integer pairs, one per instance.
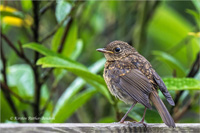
{"points": [[117, 49]]}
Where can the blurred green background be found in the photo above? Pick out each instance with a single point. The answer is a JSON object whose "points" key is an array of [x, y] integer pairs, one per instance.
{"points": [[52, 73]]}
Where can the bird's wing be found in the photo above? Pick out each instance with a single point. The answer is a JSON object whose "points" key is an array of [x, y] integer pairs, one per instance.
{"points": [[137, 86], [163, 88]]}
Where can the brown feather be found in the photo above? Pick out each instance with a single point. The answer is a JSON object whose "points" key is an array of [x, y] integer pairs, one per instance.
{"points": [[163, 88], [166, 117], [137, 86]]}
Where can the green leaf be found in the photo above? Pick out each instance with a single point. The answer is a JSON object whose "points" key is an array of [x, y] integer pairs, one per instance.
{"points": [[57, 39], [21, 77], [196, 4], [72, 105], [72, 66], [78, 49], [171, 61], [40, 48], [182, 83], [195, 15], [16, 14], [26, 4], [63, 8], [70, 41], [6, 112], [45, 51], [171, 36], [77, 85]]}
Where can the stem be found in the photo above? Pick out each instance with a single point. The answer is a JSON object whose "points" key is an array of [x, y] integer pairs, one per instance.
{"points": [[64, 36], [37, 93], [5, 87], [21, 55], [46, 7], [6, 92], [194, 70]]}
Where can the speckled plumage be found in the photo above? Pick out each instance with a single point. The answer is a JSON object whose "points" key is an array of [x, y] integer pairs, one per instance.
{"points": [[131, 78]]}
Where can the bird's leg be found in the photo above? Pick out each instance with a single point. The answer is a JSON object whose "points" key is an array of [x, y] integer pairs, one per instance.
{"points": [[122, 120], [142, 121]]}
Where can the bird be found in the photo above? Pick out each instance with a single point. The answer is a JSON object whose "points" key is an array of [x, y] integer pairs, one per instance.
{"points": [[130, 77]]}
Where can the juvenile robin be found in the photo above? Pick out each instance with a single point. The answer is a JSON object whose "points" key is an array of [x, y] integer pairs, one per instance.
{"points": [[131, 78]]}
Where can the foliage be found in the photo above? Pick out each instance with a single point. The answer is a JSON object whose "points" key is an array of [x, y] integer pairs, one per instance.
{"points": [[51, 72]]}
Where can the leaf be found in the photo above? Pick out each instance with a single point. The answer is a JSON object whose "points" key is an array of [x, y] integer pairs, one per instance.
{"points": [[171, 36], [72, 66], [72, 105], [16, 14], [45, 51], [196, 4], [171, 61], [77, 85], [70, 41], [21, 77], [6, 112], [26, 5], [63, 8], [77, 50], [57, 39], [195, 15], [40, 48], [69, 63], [182, 83]]}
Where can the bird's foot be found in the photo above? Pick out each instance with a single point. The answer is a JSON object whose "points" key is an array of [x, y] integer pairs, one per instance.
{"points": [[125, 122], [141, 122]]}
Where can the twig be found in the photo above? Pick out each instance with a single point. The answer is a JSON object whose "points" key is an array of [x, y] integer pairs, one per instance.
{"points": [[46, 75], [182, 111], [48, 101], [37, 93], [64, 36], [5, 87], [20, 46], [61, 23], [11, 45], [22, 56], [6, 93], [46, 7], [192, 73], [66, 31], [54, 30], [36, 25], [26, 116]]}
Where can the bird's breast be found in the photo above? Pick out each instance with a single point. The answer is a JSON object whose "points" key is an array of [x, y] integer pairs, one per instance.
{"points": [[112, 73]]}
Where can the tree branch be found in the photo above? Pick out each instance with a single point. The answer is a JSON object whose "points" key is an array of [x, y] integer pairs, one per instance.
{"points": [[6, 93], [182, 111], [5, 87], [37, 93], [192, 73], [46, 7], [21, 55]]}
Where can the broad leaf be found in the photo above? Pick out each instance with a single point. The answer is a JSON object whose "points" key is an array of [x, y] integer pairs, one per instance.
{"points": [[63, 8], [40, 48], [72, 105], [74, 67], [182, 83], [171, 61]]}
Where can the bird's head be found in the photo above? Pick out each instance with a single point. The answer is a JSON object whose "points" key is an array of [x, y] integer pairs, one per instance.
{"points": [[117, 50]]}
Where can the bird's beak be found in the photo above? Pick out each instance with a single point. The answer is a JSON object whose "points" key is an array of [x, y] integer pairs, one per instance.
{"points": [[103, 50]]}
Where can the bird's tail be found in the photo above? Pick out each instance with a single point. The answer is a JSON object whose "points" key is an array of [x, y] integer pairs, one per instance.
{"points": [[166, 117]]}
